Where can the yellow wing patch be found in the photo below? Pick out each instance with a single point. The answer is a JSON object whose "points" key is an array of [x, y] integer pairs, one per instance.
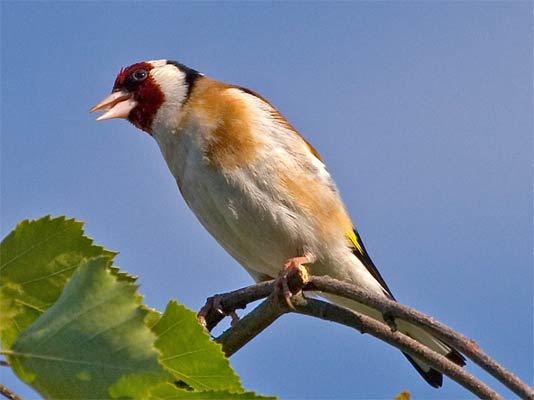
{"points": [[355, 240]]}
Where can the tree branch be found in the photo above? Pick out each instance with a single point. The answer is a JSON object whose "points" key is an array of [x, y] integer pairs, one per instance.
{"points": [[268, 311], [460, 342], [8, 394], [4, 390], [251, 325], [365, 324], [231, 301]]}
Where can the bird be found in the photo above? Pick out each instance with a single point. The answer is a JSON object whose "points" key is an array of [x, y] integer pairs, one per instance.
{"points": [[254, 182]]}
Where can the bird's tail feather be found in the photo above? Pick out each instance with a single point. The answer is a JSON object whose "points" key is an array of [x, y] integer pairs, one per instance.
{"points": [[433, 377]]}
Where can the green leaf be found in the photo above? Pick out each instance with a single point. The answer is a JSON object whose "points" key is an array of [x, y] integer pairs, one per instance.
{"points": [[36, 260], [94, 335], [135, 386], [189, 353], [168, 391], [73, 326]]}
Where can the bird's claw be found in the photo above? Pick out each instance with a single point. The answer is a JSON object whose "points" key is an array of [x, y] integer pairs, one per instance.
{"points": [[294, 263], [215, 304]]}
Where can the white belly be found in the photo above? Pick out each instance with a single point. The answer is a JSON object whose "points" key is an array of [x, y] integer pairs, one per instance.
{"points": [[256, 236], [247, 211], [238, 211]]}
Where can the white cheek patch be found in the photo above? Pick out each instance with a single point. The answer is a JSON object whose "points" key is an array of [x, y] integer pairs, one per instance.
{"points": [[172, 82]]}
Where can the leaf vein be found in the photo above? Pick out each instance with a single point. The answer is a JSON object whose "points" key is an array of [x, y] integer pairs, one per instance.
{"points": [[16, 256], [70, 361], [77, 316], [184, 354], [190, 380], [108, 328], [59, 272], [163, 333]]}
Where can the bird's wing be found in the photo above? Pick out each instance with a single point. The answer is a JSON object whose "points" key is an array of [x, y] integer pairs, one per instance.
{"points": [[355, 241], [358, 249]]}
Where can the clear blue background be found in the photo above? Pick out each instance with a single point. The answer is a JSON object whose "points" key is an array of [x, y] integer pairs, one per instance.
{"points": [[422, 111]]}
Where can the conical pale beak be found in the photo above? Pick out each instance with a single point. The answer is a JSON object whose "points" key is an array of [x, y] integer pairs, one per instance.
{"points": [[116, 105]]}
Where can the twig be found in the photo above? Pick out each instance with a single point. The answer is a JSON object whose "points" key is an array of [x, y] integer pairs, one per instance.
{"points": [[256, 321], [251, 325], [365, 324], [8, 394], [460, 342], [237, 299], [248, 327], [267, 312]]}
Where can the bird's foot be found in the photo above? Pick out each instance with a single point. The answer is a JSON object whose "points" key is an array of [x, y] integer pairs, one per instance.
{"points": [[214, 304], [293, 263]]}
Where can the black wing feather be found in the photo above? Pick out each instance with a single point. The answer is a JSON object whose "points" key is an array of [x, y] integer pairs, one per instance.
{"points": [[360, 252]]}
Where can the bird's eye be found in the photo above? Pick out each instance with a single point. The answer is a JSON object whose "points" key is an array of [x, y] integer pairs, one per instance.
{"points": [[140, 75]]}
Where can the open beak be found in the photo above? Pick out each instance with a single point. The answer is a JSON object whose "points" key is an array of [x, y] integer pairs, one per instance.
{"points": [[116, 105]]}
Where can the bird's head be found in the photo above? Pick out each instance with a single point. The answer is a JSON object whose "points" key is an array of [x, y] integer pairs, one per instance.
{"points": [[149, 93]]}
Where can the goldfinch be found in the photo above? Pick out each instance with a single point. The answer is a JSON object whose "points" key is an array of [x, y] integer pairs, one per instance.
{"points": [[253, 181]]}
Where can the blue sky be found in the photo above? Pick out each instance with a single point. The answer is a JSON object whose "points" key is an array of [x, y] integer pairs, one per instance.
{"points": [[422, 111]]}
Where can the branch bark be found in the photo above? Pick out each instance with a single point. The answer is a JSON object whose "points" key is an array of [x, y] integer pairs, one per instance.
{"points": [[274, 306], [8, 394], [463, 344]]}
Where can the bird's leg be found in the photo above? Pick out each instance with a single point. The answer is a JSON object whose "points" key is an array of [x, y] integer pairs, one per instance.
{"points": [[290, 264]]}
